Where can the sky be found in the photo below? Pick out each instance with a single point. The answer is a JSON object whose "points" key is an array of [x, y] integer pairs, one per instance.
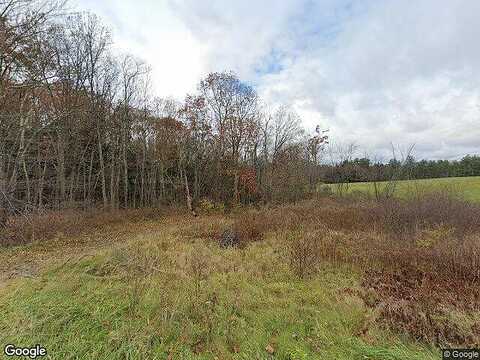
{"points": [[372, 72]]}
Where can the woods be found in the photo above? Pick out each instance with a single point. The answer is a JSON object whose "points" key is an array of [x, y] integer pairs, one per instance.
{"points": [[79, 127]]}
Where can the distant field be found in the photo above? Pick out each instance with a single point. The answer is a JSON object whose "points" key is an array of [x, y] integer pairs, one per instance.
{"points": [[468, 187]]}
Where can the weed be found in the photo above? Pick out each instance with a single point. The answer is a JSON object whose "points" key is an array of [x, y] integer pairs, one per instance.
{"points": [[45, 225], [304, 252]]}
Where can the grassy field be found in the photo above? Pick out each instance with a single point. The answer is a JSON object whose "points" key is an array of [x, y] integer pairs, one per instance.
{"points": [[469, 187], [164, 290]]}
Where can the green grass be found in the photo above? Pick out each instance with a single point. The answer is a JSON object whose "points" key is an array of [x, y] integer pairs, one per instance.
{"points": [[167, 296], [468, 187]]}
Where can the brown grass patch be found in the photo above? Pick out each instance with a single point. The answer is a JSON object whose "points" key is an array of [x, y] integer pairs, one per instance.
{"points": [[38, 227], [304, 251], [403, 219], [421, 257], [419, 304], [250, 227]]}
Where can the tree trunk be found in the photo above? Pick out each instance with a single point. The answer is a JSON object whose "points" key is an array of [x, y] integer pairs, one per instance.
{"points": [[125, 174], [102, 168], [236, 193], [187, 193]]}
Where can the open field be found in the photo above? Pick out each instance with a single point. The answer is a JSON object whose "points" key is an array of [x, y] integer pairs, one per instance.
{"points": [[163, 289], [468, 187], [137, 223]]}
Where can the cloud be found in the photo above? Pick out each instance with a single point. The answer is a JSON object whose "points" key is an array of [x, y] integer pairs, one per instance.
{"points": [[402, 72], [149, 30], [238, 34], [373, 71]]}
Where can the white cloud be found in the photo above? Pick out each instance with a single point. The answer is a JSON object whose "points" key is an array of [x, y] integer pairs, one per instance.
{"points": [[149, 30], [374, 72], [238, 34], [402, 72]]}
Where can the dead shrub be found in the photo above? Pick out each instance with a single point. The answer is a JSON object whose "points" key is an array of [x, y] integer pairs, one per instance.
{"points": [[404, 219], [425, 253], [421, 256], [344, 215], [229, 238], [204, 227], [304, 251], [199, 267], [417, 303], [324, 190], [250, 227], [437, 232]]}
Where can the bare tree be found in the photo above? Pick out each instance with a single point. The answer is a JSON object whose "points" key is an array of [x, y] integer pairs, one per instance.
{"points": [[233, 108], [341, 156], [79, 126]]}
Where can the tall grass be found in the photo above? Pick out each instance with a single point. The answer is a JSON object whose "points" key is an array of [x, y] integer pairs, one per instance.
{"points": [[44, 225], [420, 257]]}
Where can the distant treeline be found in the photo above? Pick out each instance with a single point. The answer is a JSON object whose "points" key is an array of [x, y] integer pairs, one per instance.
{"points": [[363, 169]]}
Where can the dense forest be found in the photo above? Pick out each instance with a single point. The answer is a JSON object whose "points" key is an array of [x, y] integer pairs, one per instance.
{"points": [[79, 128]]}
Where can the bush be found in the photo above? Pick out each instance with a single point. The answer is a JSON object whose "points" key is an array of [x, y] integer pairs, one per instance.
{"points": [[229, 238], [325, 190], [249, 227], [404, 219], [304, 250], [207, 206]]}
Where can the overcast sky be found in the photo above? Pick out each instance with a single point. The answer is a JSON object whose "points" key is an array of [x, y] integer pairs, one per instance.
{"points": [[372, 71]]}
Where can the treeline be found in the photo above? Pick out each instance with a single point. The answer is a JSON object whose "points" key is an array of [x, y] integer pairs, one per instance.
{"points": [[80, 128], [363, 169]]}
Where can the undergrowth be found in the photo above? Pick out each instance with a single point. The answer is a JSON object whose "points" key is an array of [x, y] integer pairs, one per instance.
{"points": [[326, 279]]}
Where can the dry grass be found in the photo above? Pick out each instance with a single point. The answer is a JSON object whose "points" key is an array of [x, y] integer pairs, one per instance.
{"points": [[304, 252], [42, 226], [404, 219], [432, 310], [250, 227], [420, 259]]}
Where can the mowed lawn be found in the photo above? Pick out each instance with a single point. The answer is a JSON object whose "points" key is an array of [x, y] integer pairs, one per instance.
{"points": [[467, 187]]}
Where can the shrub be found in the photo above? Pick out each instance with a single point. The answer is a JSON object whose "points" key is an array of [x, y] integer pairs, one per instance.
{"points": [[249, 227], [325, 190], [203, 227], [198, 266], [304, 250], [207, 206], [229, 238], [404, 219]]}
